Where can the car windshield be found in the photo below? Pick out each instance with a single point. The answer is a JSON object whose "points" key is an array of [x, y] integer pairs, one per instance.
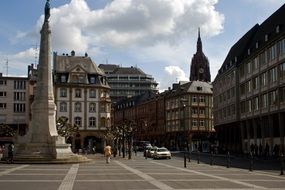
{"points": [[162, 150]]}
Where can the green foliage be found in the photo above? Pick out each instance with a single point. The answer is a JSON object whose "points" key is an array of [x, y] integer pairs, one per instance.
{"points": [[7, 131], [64, 128]]}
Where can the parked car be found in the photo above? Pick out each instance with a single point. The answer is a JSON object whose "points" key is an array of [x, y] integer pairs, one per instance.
{"points": [[161, 153], [150, 151]]}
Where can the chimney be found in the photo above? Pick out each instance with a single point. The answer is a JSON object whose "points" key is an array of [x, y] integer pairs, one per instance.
{"points": [[72, 53]]}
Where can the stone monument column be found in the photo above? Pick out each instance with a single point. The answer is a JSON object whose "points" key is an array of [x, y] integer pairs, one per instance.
{"points": [[42, 142]]}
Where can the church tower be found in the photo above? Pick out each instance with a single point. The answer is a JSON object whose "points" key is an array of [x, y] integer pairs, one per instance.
{"points": [[200, 69]]}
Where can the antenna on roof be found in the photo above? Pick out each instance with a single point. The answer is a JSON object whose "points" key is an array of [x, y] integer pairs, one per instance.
{"points": [[6, 66], [36, 49]]}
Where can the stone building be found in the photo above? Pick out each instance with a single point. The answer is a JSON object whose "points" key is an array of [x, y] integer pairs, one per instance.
{"points": [[249, 90], [127, 81], [82, 94], [14, 104]]}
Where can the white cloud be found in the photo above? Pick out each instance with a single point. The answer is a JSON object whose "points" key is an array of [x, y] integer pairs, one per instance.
{"points": [[156, 29], [172, 74]]}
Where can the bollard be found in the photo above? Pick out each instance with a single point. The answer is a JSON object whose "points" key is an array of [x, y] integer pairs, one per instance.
{"points": [[211, 159], [198, 159], [282, 164], [250, 161], [184, 160], [189, 157], [228, 160]]}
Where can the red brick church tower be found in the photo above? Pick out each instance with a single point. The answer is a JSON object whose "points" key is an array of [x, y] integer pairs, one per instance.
{"points": [[200, 69]]}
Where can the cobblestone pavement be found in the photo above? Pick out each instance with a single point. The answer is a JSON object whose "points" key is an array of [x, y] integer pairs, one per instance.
{"points": [[137, 173]]}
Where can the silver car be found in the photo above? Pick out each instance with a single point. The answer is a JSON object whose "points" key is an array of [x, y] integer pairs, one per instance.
{"points": [[161, 153]]}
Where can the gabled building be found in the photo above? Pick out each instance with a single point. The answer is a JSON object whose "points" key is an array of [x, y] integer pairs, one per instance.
{"points": [[82, 94]]}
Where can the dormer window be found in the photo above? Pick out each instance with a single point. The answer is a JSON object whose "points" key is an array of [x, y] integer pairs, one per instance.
{"points": [[256, 45], [92, 80], [63, 78], [235, 59], [266, 37], [277, 29], [199, 88], [248, 51]]}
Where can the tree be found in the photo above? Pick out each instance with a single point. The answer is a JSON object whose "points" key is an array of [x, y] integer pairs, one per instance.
{"points": [[66, 129], [7, 131]]}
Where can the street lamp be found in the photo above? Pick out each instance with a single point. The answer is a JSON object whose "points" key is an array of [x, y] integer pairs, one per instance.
{"points": [[185, 144]]}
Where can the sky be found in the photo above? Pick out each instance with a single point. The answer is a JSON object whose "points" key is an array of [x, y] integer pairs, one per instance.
{"points": [[157, 36]]}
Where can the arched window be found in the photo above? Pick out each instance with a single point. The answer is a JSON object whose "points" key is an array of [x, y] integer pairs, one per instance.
{"points": [[103, 122], [77, 107], [77, 121], [92, 122], [92, 107], [63, 107]]}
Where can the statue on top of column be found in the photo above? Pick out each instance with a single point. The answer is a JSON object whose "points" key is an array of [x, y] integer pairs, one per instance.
{"points": [[47, 10]]}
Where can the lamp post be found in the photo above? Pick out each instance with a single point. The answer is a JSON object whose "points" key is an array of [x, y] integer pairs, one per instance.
{"points": [[183, 101]]}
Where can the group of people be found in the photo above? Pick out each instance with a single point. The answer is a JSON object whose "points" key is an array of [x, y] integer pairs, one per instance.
{"points": [[260, 151], [9, 157]]}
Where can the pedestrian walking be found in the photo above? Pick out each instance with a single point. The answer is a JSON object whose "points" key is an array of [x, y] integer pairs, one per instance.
{"points": [[107, 153], [11, 153]]}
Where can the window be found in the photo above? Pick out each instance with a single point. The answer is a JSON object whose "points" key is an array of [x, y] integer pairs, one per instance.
{"points": [[273, 74], [201, 111], [63, 92], [248, 86], [242, 89], [92, 93], [255, 83], [194, 98], [282, 95], [263, 79], [63, 78], [92, 80], [92, 107], [77, 121], [19, 84], [262, 58], [248, 106], [92, 122], [255, 64], [19, 108], [77, 107], [202, 123], [264, 100], [282, 47], [194, 122], [3, 94], [194, 111], [19, 96], [273, 97], [282, 70], [77, 93], [255, 104], [248, 67], [63, 107], [3, 105], [202, 99], [272, 52], [3, 82]]}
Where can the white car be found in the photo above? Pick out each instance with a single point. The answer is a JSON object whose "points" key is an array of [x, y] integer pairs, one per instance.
{"points": [[151, 151], [161, 153]]}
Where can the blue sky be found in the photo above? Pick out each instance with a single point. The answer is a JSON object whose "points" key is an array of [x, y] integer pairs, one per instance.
{"points": [[158, 36]]}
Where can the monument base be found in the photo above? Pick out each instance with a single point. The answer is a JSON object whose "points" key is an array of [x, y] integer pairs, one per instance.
{"points": [[42, 153]]}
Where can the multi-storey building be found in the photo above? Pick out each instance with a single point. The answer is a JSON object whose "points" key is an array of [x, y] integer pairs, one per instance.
{"points": [[82, 95], [189, 115], [249, 90], [127, 81], [14, 104]]}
